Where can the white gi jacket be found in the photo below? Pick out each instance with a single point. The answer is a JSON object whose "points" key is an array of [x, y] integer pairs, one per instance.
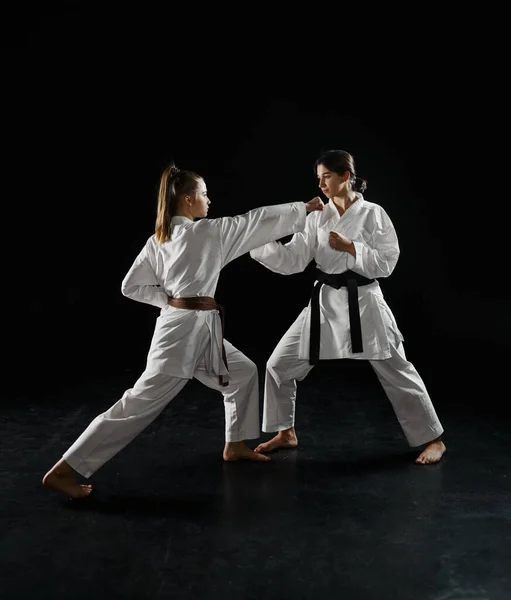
{"points": [[189, 265], [377, 251]]}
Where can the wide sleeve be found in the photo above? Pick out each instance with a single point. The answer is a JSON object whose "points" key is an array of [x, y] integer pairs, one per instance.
{"points": [[243, 233], [292, 257], [141, 284], [379, 257]]}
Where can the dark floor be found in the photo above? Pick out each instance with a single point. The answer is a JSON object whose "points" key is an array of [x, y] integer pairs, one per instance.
{"points": [[348, 515]]}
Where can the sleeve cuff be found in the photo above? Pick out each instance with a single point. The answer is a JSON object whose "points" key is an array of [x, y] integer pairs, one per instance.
{"points": [[162, 299], [355, 264], [302, 217]]}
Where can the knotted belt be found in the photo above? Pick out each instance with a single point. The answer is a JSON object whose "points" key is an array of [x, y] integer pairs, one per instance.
{"points": [[348, 279], [204, 303]]}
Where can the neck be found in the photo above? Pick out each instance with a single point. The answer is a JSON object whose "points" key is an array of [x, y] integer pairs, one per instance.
{"points": [[184, 212], [345, 199]]}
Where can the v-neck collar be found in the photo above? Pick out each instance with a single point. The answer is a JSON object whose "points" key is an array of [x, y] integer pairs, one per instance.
{"points": [[355, 207], [350, 212]]}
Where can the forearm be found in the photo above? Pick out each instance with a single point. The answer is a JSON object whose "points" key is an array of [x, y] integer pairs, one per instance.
{"points": [[280, 258], [148, 294], [372, 262]]}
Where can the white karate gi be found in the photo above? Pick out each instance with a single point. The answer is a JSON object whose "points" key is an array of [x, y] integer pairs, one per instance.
{"points": [[187, 343], [377, 251]]}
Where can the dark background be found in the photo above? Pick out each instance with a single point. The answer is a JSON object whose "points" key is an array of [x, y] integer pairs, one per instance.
{"points": [[95, 105]]}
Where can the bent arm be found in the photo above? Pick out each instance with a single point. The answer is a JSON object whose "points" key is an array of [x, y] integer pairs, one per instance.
{"points": [[292, 257], [140, 282], [380, 257]]}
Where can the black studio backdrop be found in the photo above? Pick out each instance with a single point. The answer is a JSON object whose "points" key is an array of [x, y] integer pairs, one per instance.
{"points": [[90, 126]]}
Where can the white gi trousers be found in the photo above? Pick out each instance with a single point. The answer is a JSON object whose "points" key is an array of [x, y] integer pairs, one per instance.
{"points": [[114, 429], [399, 378]]}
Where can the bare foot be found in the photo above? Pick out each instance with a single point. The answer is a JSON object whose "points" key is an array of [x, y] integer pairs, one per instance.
{"points": [[61, 478], [283, 439], [432, 453], [240, 451]]}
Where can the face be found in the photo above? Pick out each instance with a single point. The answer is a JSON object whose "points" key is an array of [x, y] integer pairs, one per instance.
{"points": [[200, 203], [331, 183]]}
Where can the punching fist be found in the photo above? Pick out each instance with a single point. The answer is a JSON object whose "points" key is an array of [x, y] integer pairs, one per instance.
{"points": [[315, 204]]}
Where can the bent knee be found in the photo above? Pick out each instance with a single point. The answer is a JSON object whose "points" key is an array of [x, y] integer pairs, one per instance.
{"points": [[249, 369], [277, 369], [277, 363]]}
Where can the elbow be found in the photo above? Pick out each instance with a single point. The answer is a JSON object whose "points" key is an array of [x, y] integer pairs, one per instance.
{"points": [[129, 287], [390, 264], [384, 270], [127, 290], [389, 269], [393, 262]]}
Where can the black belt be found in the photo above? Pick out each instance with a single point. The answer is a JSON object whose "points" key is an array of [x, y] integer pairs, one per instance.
{"points": [[348, 279]]}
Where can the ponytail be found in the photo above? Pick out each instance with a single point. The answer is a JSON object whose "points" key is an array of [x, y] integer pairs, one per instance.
{"points": [[174, 184]]}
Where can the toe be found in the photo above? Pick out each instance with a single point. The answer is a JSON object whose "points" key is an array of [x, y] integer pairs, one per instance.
{"points": [[263, 458]]}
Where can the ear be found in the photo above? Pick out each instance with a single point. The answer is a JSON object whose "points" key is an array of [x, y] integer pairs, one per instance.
{"points": [[346, 177], [187, 199]]}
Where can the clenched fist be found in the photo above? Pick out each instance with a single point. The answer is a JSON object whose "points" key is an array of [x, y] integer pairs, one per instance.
{"points": [[314, 204], [339, 242]]}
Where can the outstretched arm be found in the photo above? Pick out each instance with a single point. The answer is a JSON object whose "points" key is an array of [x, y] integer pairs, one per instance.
{"points": [[244, 233], [240, 234]]}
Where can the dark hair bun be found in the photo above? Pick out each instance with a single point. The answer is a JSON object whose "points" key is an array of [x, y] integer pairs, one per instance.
{"points": [[360, 185]]}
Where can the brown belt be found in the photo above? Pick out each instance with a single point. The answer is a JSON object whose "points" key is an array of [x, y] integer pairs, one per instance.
{"points": [[204, 303]]}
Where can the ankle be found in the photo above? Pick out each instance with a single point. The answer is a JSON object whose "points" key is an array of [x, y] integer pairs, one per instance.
{"points": [[288, 433], [233, 445]]}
